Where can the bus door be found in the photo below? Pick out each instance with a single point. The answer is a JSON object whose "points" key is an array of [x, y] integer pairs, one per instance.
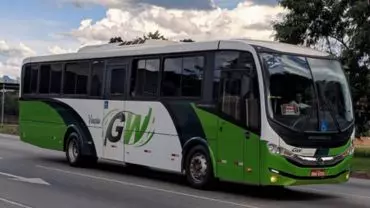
{"points": [[238, 101], [114, 111], [231, 137]]}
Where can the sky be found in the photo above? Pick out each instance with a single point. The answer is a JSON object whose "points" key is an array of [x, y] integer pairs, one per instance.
{"points": [[42, 27]]}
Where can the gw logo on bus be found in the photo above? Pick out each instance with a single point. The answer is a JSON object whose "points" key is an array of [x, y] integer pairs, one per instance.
{"points": [[128, 126]]}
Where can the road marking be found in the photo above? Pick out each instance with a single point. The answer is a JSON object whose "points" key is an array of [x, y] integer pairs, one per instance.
{"points": [[14, 203], [27, 180], [148, 187], [333, 192], [1, 158]]}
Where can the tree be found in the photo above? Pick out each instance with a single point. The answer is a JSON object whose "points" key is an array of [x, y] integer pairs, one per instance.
{"points": [[150, 36], [116, 40], [187, 40], [343, 28], [154, 36]]}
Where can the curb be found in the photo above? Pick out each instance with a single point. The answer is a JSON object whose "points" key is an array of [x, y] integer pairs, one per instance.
{"points": [[361, 175], [9, 136]]}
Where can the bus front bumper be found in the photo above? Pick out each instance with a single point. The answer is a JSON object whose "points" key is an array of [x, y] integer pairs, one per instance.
{"points": [[283, 179], [281, 172]]}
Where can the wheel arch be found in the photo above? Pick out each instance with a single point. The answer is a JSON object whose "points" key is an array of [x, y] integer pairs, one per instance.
{"points": [[87, 143], [191, 143]]}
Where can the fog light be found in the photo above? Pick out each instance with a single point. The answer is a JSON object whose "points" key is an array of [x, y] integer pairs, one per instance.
{"points": [[273, 179], [347, 176]]}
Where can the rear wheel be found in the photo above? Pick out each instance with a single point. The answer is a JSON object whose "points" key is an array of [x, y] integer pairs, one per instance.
{"points": [[74, 152], [199, 170]]}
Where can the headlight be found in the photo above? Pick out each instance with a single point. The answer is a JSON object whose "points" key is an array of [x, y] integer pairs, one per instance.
{"points": [[349, 151], [274, 149]]}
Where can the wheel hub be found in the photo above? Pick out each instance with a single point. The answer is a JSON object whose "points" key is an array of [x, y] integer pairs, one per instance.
{"points": [[73, 151], [198, 167]]}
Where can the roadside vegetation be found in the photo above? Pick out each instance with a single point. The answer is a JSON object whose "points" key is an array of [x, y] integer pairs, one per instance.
{"points": [[361, 160], [9, 129]]}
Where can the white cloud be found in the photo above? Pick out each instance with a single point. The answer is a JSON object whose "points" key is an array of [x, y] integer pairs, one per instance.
{"points": [[11, 57], [178, 4], [59, 50], [20, 50], [11, 71], [196, 19], [247, 20]]}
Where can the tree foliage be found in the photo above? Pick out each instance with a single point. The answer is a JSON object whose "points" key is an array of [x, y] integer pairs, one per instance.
{"points": [[149, 36], [187, 40], [116, 40], [343, 27], [154, 36]]}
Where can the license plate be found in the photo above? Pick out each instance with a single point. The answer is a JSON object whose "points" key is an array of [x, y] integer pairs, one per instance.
{"points": [[317, 173]]}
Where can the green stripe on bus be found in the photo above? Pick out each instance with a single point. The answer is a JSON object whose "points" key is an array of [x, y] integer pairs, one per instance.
{"points": [[41, 125]]}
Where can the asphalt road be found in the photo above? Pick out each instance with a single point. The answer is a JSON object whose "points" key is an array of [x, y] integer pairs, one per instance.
{"points": [[34, 178]]}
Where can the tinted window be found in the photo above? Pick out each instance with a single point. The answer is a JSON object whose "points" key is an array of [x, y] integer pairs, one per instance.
{"points": [[227, 60], [50, 78], [117, 85], [171, 81], [231, 60], [192, 75], [44, 78], [56, 78], [183, 76], [97, 74], [34, 79], [27, 79], [76, 78], [147, 72]]}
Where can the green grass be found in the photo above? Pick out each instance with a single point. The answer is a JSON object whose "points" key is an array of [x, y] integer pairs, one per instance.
{"points": [[361, 164], [9, 129], [361, 161], [362, 152]]}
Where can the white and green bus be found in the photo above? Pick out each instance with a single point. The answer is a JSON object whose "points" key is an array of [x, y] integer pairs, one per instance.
{"points": [[247, 111]]}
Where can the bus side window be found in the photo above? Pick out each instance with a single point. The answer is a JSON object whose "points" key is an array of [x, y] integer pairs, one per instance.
{"points": [[56, 78], [34, 79], [144, 78], [27, 79], [44, 78], [76, 76], [183, 77], [97, 73], [50, 78], [118, 77]]}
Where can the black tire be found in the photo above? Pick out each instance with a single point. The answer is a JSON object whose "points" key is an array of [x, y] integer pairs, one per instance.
{"points": [[207, 179], [74, 152]]}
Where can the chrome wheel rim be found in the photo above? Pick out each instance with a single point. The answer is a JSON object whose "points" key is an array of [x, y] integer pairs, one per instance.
{"points": [[198, 167], [73, 151]]}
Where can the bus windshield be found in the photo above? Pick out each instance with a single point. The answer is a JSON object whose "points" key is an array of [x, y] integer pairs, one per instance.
{"points": [[307, 94]]}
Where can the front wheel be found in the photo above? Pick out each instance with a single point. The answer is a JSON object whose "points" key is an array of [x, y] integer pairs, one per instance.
{"points": [[199, 172]]}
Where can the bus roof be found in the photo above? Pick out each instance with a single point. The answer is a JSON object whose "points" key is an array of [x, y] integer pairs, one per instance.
{"points": [[152, 47]]}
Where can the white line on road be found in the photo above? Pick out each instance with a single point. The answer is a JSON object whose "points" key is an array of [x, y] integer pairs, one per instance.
{"points": [[149, 187], [14, 203], [27, 180]]}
